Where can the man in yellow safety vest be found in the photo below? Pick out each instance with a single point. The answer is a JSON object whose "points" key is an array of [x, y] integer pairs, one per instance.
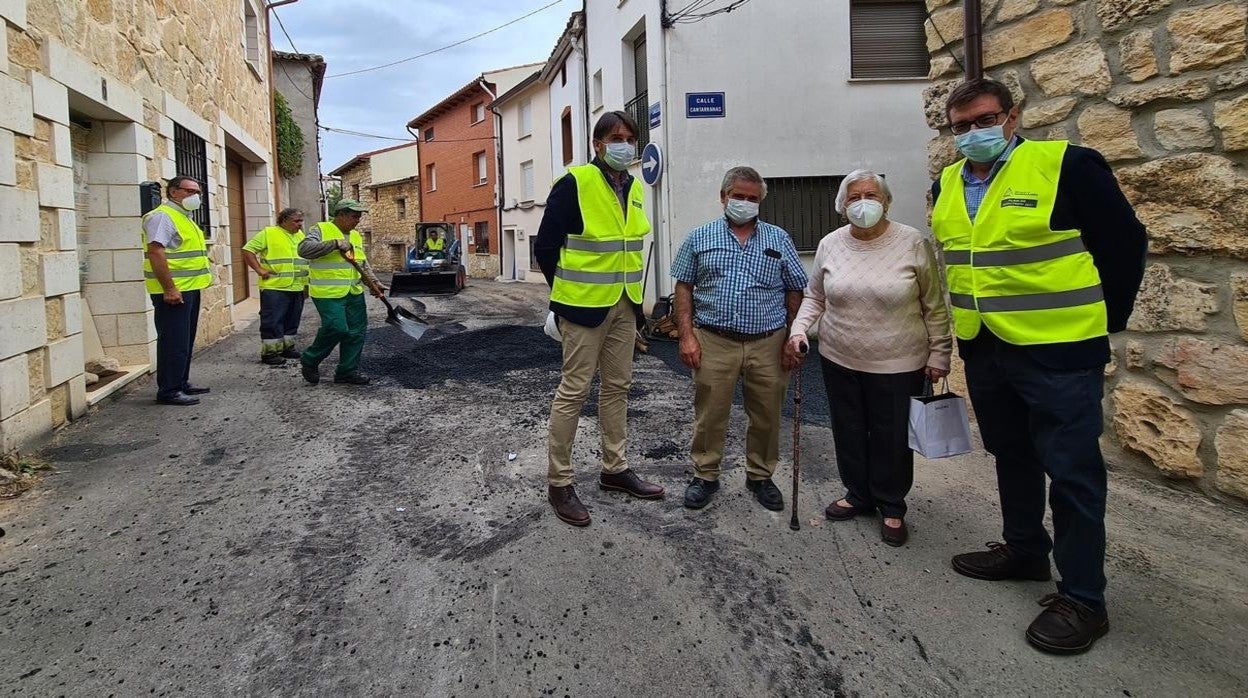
{"points": [[337, 291], [1044, 257], [175, 270], [273, 253], [589, 246]]}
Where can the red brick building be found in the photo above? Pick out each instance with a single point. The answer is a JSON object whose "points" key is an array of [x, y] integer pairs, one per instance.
{"points": [[458, 171]]}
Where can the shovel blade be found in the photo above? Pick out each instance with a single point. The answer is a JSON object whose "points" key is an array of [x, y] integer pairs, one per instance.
{"points": [[412, 328]]}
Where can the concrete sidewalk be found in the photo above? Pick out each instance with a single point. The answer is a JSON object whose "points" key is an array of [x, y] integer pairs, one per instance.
{"points": [[331, 540]]}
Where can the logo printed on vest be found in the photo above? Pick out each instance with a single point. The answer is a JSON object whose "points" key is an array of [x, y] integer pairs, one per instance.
{"points": [[637, 203], [1019, 198]]}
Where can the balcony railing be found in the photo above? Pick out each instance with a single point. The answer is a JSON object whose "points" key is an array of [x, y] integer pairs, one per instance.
{"points": [[639, 109]]}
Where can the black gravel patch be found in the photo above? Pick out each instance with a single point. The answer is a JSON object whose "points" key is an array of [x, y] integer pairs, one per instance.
{"points": [[479, 356]]}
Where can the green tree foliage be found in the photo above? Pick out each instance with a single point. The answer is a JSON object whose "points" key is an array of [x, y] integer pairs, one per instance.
{"points": [[289, 139]]}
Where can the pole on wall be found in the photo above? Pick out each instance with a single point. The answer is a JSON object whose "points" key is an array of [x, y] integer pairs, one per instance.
{"points": [[973, 43]]}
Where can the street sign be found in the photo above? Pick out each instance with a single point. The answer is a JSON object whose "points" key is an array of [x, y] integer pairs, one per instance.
{"points": [[704, 105], [651, 164], [655, 117]]}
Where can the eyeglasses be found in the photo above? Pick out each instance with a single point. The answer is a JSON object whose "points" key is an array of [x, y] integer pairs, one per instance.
{"points": [[982, 121]]}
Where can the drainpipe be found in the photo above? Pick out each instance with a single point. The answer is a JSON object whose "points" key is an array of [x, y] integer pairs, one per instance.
{"points": [[973, 44], [585, 73], [268, 37], [498, 169]]}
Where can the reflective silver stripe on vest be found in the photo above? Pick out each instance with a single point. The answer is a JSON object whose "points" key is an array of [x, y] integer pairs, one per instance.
{"points": [[186, 255], [1042, 301], [1039, 253], [289, 274], [599, 277], [180, 273], [330, 265], [962, 300], [285, 260], [333, 282], [1006, 258], [582, 245]]}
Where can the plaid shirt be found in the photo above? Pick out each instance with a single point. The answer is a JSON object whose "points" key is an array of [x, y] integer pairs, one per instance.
{"points": [[739, 288], [977, 188]]}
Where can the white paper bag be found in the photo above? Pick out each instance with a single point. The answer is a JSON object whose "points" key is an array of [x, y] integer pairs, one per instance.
{"points": [[939, 426]]}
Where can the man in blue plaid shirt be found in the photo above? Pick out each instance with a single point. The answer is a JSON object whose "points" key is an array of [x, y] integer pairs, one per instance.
{"points": [[738, 287]]}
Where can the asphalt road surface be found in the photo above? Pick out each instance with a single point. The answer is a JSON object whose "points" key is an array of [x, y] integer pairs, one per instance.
{"points": [[283, 539]]}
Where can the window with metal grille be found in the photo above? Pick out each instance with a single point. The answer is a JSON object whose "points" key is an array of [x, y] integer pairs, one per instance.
{"points": [[887, 40], [481, 236], [804, 206], [191, 159]]}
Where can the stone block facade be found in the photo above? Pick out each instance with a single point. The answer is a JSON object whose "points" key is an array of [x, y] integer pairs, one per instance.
{"points": [[1160, 88], [389, 227], [91, 95]]}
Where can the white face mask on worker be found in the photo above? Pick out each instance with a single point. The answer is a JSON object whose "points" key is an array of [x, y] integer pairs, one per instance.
{"points": [[191, 202]]}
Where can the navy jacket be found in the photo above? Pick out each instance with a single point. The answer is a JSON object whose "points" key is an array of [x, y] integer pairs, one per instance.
{"points": [[561, 219], [1089, 199]]}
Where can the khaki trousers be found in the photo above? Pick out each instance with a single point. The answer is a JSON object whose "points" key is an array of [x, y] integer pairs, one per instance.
{"points": [[607, 348], [764, 382]]}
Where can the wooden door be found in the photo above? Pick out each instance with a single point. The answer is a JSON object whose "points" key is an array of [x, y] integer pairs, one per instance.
{"points": [[238, 227]]}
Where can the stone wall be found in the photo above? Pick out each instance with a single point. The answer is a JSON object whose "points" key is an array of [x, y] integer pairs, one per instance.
{"points": [[393, 227], [90, 93], [295, 77], [1160, 88]]}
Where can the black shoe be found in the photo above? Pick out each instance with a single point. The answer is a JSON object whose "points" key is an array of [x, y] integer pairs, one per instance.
{"points": [[290, 353], [698, 493], [1066, 626], [895, 537], [180, 399], [767, 494], [311, 374], [193, 390], [998, 562], [353, 378], [273, 360]]}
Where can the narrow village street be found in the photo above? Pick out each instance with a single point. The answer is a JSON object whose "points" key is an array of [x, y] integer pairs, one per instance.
{"points": [[285, 539]]}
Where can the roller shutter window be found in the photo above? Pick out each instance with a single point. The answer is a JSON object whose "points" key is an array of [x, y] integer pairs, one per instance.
{"points": [[887, 39]]}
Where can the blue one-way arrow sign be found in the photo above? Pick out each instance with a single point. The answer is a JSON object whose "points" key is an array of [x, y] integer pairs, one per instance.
{"points": [[651, 164]]}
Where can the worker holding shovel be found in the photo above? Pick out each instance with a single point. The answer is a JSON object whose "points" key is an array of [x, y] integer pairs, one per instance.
{"points": [[338, 271]]}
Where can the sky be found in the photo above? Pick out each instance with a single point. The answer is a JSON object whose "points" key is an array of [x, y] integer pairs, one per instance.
{"points": [[355, 34]]}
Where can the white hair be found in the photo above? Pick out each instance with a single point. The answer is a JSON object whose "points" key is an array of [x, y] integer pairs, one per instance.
{"points": [[743, 174], [862, 176]]}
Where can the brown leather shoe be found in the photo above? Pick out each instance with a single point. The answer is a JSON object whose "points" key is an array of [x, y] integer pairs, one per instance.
{"points": [[836, 512], [567, 505], [895, 537], [627, 481]]}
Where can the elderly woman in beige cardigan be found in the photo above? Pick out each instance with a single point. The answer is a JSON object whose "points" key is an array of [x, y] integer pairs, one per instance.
{"points": [[876, 293]]}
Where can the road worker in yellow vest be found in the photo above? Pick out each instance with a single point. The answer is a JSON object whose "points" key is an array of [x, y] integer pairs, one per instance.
{"points": [[435, 246], [175, 270], [337, 291], [589, 247], [1044, 257], [273, 253]]}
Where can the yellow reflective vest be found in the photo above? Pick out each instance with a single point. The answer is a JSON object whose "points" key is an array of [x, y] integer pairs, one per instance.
{"points": [[332, 276], [604, 261], [432, 245], [281, 256], [188, 262], [1009, 269]]}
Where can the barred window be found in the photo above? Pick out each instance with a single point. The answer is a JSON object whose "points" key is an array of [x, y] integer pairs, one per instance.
{"points": [[804, 206], [191, 159]]}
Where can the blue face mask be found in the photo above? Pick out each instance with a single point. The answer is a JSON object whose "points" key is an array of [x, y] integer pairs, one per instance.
{"points": [[982, 144], [619, 155]]}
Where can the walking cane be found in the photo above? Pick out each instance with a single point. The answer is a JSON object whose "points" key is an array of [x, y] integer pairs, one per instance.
{"points": [[794, 524]]}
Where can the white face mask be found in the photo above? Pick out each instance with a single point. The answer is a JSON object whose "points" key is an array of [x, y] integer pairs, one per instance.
{"points": [[191, 202], [740, 211], [865, 213]]}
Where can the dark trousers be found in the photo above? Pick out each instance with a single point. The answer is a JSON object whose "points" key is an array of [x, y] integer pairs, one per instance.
{"points": [[1038, 420], [870, 426], [280, 312], [175, 340], [344, 323]]}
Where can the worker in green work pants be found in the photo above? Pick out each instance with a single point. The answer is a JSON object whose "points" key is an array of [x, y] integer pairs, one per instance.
{"points": [[337, 290]]}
